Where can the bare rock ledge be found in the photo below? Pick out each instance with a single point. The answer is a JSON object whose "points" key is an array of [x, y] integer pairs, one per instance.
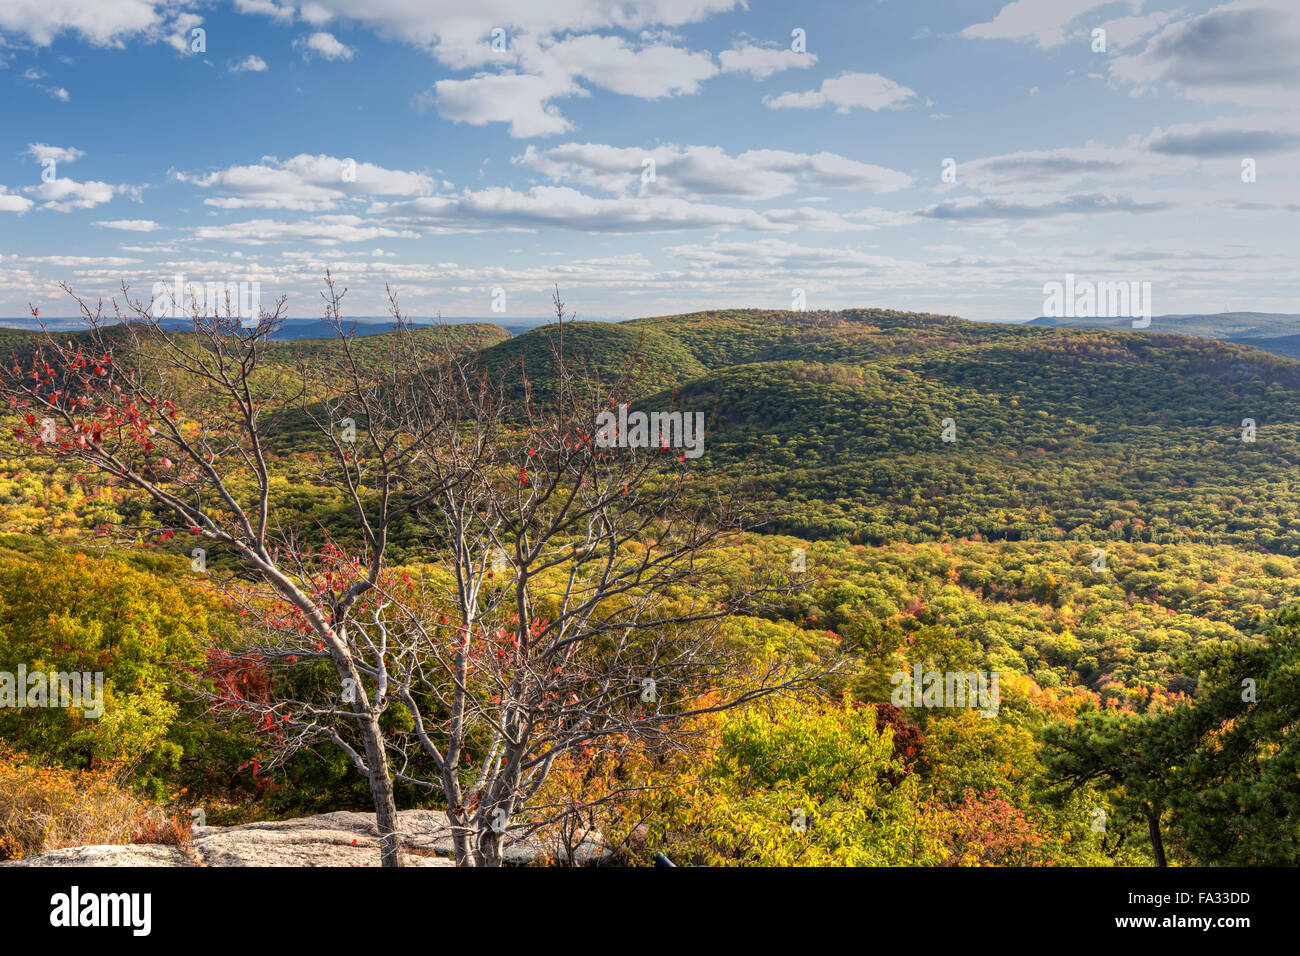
{"points": [[328, 839]]}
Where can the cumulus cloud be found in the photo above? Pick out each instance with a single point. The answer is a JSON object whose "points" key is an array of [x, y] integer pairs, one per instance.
{"points": [[178, 33], [282, 12], [65, 195], [694, 171], [458, 33], [1232, 136], [12, 202], [1045, 22], [1125, 31], [44, 153], [129, 225], [98, 23], [973, 209], [813, 219], [551, 51], [33, 75], [769, 254], [304, 182], [320, 230], [81, 261], [847, 92], [249, 64], [324, 45], [649, 71], [1241, 52], [535, 72], [760, 62], [1033, 172], [560, 207], [519, 99]]}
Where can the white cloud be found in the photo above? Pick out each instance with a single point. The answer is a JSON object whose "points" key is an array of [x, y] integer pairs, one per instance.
{"points": [[325, 45], [250, 64], [776, 254], [1234, 137], [1043, 21], [130, 225], [43, 153], [282, 12], [876, 217], [761, 62], [559, 207], [1126, 31], [1052, 171], [813, 219], [65, 195], [551, 51], [536, 71], [694, 171], [81, 261], [847, 92], [1241, 52], [179, 32], [520, 99], [648, 72], [321, 231], [304, 182], [11, 202], [97, 22], [986, 208], [458, 33]]}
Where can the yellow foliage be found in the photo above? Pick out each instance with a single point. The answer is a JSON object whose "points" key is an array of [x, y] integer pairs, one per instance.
{"points": [[46, 808]]}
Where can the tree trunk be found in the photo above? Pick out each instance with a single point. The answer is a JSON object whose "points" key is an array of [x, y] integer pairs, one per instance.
{"points": [[488, 846], [462, 840], [1157, 844], [381, 791]]}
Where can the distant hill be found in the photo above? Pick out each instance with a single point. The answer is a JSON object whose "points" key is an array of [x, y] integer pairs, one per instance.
{"points": [[833, 424], [607, 350], [363, 325], [1276, 332]]}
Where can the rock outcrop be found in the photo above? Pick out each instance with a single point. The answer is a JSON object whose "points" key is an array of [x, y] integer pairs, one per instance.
{"points": [[328, 839]]}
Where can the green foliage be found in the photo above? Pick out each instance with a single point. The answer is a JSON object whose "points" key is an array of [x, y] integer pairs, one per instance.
{"points": [[71, 612], [1216, 773], [1236, 801], [603, 351], [799, 784], [1121, 686]]}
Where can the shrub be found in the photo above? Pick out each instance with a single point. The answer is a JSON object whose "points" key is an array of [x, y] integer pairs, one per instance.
{"points": [[47, 808], [68, 611]]}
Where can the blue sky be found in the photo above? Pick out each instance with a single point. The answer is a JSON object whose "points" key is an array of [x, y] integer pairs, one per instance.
{"points": [[128, 155]]}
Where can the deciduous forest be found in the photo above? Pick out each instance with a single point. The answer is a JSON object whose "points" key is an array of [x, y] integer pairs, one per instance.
{"points": [[399, 572]]}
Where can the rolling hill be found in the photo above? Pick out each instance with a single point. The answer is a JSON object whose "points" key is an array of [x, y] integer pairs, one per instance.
{"points": [[1274, 332], [833, 422]]}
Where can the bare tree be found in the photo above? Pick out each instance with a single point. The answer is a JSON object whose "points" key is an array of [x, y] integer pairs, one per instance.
{"points": [[563, 596]]}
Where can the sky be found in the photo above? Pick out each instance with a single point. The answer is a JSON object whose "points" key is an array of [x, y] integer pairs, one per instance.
{"points": [[651, 157]]}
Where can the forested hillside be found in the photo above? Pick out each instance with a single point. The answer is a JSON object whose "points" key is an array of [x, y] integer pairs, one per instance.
{"points": [[1107, 520], [1269, 331]]}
